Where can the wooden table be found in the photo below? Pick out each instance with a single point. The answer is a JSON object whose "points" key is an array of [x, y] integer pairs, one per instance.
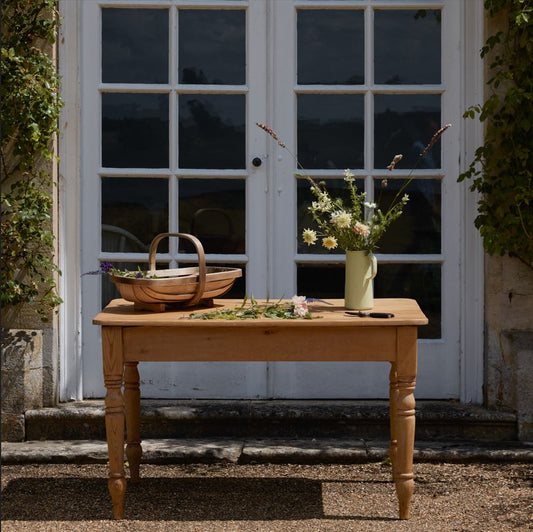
{"points": [[130, 337]]}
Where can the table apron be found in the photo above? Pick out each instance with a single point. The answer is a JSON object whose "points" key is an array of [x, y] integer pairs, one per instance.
{"points": [[305, 344]]}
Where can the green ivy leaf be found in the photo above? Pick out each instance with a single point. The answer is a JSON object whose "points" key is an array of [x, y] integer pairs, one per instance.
{"points": [[30, 110], [502, 169]]}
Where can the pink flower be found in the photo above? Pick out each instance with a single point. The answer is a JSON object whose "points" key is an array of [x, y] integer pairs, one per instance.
{"points": [[361, 229], [300, 305]]}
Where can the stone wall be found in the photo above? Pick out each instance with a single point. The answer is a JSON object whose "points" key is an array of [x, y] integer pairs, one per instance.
{"points": [[22, 379], [508, 323], [509, 340]]}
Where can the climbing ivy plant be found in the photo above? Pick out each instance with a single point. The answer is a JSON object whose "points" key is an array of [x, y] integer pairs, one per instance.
{"points": [[30, 111], [502, 169]]}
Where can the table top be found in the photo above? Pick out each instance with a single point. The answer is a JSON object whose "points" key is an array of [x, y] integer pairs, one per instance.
{"points": [[120, 313]]}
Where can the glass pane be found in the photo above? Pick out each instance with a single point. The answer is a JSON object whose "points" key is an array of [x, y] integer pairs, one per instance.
{"points": [[330, 46], [325, 281], [418, 230], [134, 211], [212, 46], [416, 281], [331, 131], [212, 131], [135, 130], [337, 189], [405, 124], [214, 211], [407, 46], [134, 45]]}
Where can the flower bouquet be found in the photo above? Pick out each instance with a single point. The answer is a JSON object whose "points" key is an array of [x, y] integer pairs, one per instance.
{"points": [[355, 226]]}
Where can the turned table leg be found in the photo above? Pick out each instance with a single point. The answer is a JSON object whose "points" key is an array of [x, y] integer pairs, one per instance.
{"points": [[393, 393], [132, 397], [404, 418], [114, 415]]}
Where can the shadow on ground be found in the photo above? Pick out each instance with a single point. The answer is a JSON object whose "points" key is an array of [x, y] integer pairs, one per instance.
{"points": [[177, 499]]}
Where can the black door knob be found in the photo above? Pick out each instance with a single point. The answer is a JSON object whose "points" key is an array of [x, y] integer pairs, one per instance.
{"points": [[256, 161]]}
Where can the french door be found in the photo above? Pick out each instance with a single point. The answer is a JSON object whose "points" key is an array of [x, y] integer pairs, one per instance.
{"points": [[171, 93]]}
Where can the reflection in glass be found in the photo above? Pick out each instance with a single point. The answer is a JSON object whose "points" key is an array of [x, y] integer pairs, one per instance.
{"points": [[212, 46], [337, 189], [331, 131], [330, 46], [212, 131], [418, 230], [134, 211], [405, 124], [416, 281], [214, 211], [134, 45], [407, 46], [135, 130], [331, 285]]}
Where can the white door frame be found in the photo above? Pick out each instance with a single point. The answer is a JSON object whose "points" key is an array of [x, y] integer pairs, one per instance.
{"points": [[472, 273], [70, 366], [71, 52]]}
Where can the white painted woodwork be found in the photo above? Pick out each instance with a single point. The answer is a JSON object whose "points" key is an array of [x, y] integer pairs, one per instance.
{"points": [[450, 367]]}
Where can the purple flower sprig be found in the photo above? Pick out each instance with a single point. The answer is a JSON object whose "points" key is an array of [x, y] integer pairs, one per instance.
{"points": [[107, 267]]}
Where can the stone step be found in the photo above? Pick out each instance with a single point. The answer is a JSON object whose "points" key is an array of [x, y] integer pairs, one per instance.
{"points": [[349, 419], [248, 451]]}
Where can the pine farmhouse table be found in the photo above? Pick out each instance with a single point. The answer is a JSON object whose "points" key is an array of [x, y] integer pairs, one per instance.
{"points": [[130, 336]]}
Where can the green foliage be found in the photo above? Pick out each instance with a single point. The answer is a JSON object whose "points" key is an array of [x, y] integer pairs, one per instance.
{"points": [[30, 112], [502, 169], [346, 225]]}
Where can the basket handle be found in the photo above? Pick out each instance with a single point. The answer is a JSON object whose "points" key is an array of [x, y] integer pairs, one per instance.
{"points": [[202, 270]]}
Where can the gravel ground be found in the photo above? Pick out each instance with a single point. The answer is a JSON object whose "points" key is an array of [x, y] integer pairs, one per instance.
{"points": [[227, 497]]}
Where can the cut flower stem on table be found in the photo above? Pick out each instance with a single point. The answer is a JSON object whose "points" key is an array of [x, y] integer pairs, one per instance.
{"points": [[296, 308]]}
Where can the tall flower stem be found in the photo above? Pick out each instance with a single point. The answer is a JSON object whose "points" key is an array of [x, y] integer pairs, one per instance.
{"points": [[428, 147], [360, 224], [282, 144]]}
